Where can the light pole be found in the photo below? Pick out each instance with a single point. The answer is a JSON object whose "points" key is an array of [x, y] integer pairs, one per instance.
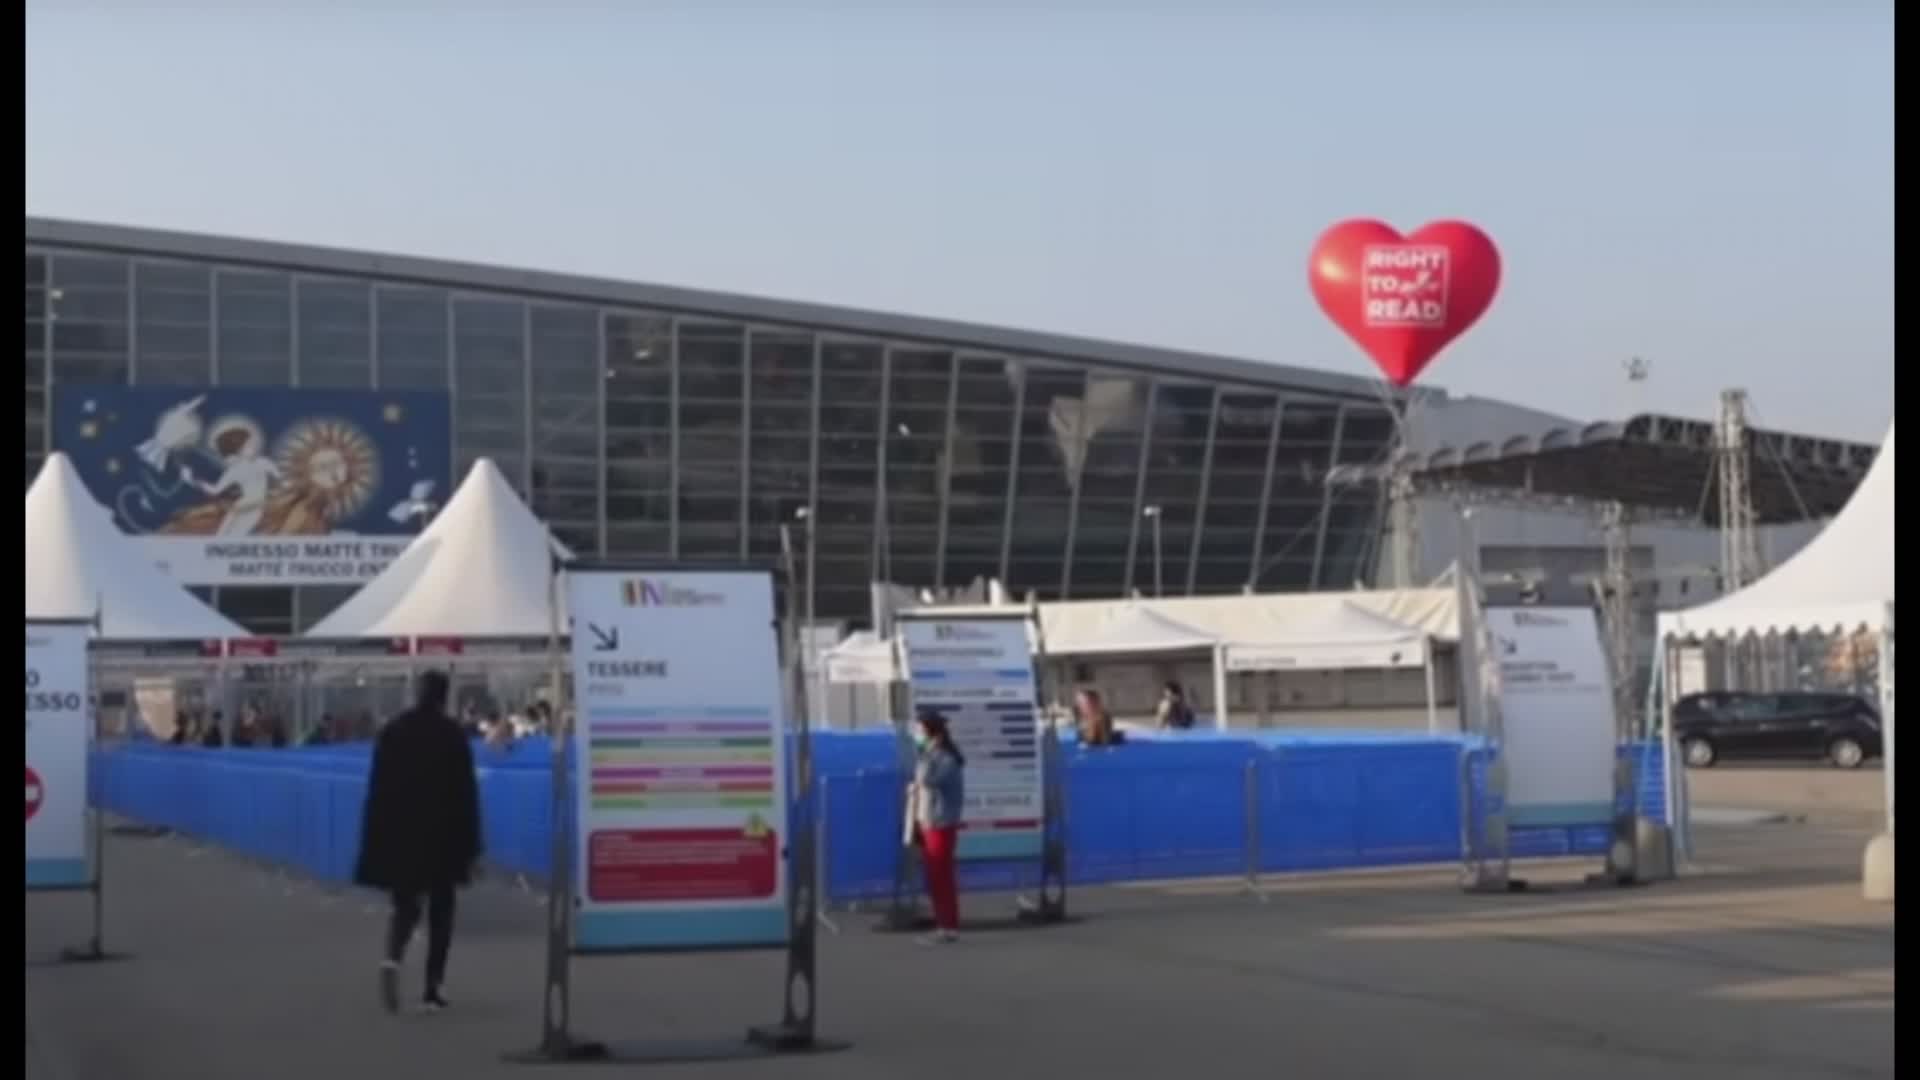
{"points": [[1152, 513], [809, 642], [886, 504]]}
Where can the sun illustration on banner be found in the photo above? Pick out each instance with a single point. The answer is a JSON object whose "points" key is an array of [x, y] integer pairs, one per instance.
{"points": [[334, 462]]}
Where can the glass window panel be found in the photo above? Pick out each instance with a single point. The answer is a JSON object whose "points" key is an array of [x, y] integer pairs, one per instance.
{"points": [[412, 340], [846, 526], [1352, 531], [1296, 495], [782, 443], [712, 365], [985, 426], [88, 308], [95, 273], [568, 372], [1105, 430], [1051, 453], [916, 444], [336, 333], [261, 610], [1175, 464], [1366, 435], [1242, 438], [490, 382], [627, 540], [254, 338]]}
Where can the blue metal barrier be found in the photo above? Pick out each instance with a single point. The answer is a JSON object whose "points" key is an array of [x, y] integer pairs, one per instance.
{"points": [[1154, 809]]}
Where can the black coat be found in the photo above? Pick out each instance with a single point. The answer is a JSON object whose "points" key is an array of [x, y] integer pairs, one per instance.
{"points": [[421, 826]]}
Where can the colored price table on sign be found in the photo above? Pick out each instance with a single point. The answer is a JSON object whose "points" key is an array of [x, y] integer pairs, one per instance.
{"points": [[682, 759]]}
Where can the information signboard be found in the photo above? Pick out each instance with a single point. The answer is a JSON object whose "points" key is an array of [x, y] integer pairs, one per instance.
{"points": [[1556, 704], [681, 770], [978, 672], [59, 735]]}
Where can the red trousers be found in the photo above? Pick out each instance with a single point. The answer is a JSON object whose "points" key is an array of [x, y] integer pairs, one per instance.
{"points": [[938, 848]]}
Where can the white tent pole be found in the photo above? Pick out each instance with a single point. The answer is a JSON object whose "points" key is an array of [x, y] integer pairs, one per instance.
{"points": [[1220, 687], [1433, 705]]}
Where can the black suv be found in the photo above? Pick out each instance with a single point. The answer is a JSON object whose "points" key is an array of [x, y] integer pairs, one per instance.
{"points": [[1842, 728]]}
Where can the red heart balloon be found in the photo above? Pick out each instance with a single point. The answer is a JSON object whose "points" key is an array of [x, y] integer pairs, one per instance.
{"points": [[1404, 298]]}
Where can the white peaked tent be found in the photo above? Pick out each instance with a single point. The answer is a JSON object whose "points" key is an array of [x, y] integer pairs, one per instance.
{"points": [[77, 560], [1841, 581], [480, 570]]}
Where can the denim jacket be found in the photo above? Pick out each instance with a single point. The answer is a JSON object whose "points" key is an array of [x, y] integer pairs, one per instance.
{"points": [[940, 789]]}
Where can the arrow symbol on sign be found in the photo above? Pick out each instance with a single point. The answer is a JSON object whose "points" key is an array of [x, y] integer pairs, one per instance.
{"points": [[604, 640]]}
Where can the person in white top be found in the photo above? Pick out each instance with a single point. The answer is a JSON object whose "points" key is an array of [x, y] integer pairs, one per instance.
{"points": [[248, 473]]}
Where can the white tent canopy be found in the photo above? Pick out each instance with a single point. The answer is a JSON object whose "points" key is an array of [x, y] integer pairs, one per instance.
{"points": [[1841, 581], [78, 560], [480, 570], [1343, 637], [1131, 629], [862, 658]]}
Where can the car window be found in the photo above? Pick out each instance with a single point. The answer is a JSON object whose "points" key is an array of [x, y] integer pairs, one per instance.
{"points": [[1751, 709]]}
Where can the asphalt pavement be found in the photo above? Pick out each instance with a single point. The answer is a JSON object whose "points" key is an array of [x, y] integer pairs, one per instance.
{"points": [[1764, 964]]}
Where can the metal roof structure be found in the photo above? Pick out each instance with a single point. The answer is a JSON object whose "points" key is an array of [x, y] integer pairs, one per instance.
{"points": [[305, 259], [1663, 464]]}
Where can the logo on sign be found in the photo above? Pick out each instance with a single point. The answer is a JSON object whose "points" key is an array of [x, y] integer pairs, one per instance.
{"points": [[36, 794], [959, 632], [650, 592], [1531, 618], [1405, 285]]}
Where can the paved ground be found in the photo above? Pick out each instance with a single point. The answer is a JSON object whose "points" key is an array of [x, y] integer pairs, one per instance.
{"points": [[1817, 792], [1765, 966]]}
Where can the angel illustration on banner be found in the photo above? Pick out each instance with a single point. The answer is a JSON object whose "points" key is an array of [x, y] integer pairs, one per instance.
{"points": [[319, 474]]}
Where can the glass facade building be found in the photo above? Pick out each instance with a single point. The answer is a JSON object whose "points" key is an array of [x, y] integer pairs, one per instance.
{"points": [[650, 422]]}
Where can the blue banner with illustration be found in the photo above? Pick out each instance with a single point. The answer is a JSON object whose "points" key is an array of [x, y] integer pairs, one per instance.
{"points": [[258, 485]]}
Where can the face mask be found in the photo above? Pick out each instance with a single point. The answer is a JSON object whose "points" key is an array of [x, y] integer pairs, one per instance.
{"points": [[920, 738]]}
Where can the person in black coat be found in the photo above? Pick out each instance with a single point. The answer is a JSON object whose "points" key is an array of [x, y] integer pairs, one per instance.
{"points": [[420, 832]]}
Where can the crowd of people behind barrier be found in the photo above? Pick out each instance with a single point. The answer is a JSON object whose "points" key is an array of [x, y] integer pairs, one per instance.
{"points": [[258, 726]]}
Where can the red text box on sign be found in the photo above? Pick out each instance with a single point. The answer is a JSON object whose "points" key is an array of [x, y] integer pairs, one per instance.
{"points": [[684, 865]]}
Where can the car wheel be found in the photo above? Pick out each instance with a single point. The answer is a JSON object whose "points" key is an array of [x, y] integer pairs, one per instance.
{"points": [[1699, 753], [1846, 753]]}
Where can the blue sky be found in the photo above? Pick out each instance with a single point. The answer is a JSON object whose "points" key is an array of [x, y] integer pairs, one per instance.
{"points": [[1708, 186]]}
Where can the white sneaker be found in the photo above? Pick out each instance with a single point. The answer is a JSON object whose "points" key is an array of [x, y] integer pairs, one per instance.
{"points": [[941, 937]]}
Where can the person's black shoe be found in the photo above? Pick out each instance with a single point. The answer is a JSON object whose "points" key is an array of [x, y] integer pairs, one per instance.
{"points": [[390, 986], [434, 1000]]}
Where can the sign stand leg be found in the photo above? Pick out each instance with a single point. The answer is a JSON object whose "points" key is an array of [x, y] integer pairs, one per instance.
{"points": [[1254, 887], [821, 864], [795, 1032], [95, 950], [1052, 907], [903, 910]]}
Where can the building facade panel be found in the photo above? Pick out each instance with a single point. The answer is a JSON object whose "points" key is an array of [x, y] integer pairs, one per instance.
{"points": [[929, 454]]}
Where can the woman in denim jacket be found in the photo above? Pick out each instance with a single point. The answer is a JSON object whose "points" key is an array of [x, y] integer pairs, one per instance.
{"points": [[939, 793]]}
